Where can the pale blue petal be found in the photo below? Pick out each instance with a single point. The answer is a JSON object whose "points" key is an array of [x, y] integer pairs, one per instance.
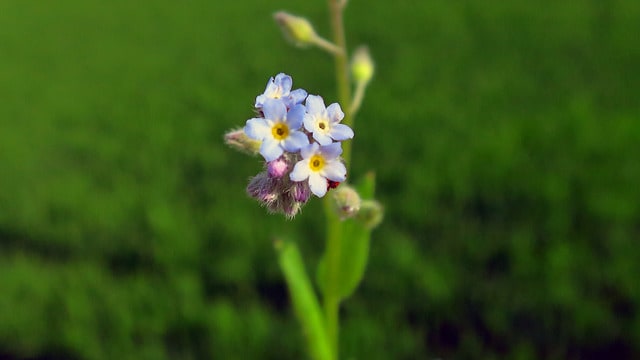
{"points": [[260, 100], [295, 141], [317, 184], [295, 117], [285, 82], [270, 149], [300, 171], [322, 139], [335, 113], [331, 151], [309, 150], [341, 132], [297, 97], [315, 105], [270, 85], [335, 170], [257, 128], [274, 109]]}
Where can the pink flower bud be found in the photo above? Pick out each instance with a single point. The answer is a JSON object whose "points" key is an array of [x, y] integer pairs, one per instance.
{"points": [[278, 167]]}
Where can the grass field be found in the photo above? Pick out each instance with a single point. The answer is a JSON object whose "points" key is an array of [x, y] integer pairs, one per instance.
{"points": [[504, 136]]}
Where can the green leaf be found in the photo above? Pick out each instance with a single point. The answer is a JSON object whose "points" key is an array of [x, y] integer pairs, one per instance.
{"points": [[354, 245], [305, 303]]}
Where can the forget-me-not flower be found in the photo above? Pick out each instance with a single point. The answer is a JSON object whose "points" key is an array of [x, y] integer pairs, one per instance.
{"points": [[278, 130], [280, 88], [319, 164], [323, 122]]}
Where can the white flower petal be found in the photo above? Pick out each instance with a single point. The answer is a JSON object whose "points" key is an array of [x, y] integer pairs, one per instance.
{"points": [[322, 139], [315, 105], [341, 132], [309, 122], [295, 141], [317, 184], [331, 151], [274, 109], [335, 113], [257, 128], [295, 117], [335, 170], [270, 149], [300, 171]]}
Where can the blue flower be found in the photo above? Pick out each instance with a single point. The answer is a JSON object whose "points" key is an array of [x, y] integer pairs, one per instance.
{"points": [[278, 130], [280, 88], [323, 122], [319, 164]]}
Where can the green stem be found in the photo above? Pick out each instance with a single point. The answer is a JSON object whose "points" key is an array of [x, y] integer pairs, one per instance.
{"points": [[332, 289], [334, 225], [342, 70]]}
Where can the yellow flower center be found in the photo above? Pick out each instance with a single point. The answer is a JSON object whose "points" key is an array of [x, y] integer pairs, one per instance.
{"points": [[280, 131], [322, 125], [316, 163]]}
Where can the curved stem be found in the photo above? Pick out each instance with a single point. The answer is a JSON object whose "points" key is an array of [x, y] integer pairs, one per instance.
{"points": [[327, 46], [357, 98]]}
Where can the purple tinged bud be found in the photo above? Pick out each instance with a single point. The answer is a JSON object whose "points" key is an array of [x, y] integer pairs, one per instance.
{"points": [[275, 191], [300, 191], [291, 208], [278, 168], [262, 189]]}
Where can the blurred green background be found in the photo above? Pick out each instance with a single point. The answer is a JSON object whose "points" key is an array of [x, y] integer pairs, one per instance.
{"points": [[504, 136]]}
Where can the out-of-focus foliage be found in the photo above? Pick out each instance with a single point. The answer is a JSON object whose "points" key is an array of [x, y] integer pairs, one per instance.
{"points": [[504, 135]]}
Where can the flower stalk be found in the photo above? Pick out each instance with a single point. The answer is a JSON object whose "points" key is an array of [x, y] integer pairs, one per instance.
{"points": [[306, 152]]}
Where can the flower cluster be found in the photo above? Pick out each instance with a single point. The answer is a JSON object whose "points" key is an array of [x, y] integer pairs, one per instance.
{"points": [[299, 138]]}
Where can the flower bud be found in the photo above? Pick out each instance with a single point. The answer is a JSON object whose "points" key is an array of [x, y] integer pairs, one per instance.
{"points": [[290, 208], [346, 201], [300, 191], [262, 189], [239, 140], [370, 214], [296, 29], [278, 167], [362, 67]]}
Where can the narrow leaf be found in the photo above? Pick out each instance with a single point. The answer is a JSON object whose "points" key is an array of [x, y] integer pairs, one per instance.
{"points": [[304, 300]]}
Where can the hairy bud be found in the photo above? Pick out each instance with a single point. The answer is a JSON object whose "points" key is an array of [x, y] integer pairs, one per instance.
{"points": [[239, 140], [346, 201], [370, 214], [296, 29]]}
